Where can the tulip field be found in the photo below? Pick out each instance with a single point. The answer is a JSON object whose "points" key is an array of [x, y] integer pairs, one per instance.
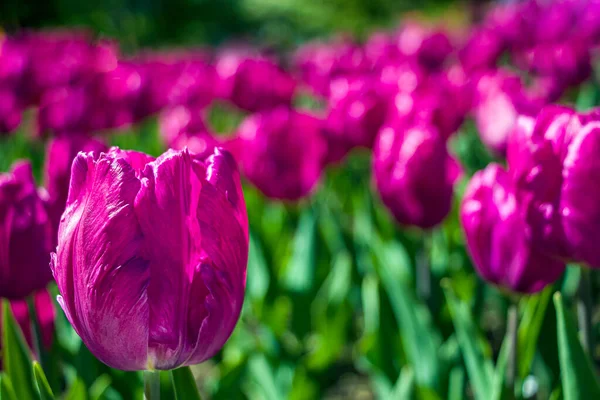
{"points": [[400, 210]]}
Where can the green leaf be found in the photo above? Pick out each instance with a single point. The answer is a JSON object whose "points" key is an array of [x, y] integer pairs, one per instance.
{"points": [[42, 382], [262, 375], [77, 391], [184, 384], [499, 390], [456, 384], [479, 368], [579, 381], [299, 274], [420, 339], [529, 328], [16, 356], [99, 387], [587, 96], [6, 389], [405, 386], [258, 273]]}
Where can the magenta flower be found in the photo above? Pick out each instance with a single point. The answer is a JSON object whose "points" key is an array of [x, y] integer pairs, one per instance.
{"points": [[180, 120], [429, 46], [63, 110], [428, 102], [60, 153], [254, 83], [320, 63], [356, 112], [281, 152], [568, 61], [414, 173], [496, 232], [151, 257], [482, 50], [182, 127], [25, 234], [174, 79], [553, 162], [10, 111], [45, 314], [500, 98]]}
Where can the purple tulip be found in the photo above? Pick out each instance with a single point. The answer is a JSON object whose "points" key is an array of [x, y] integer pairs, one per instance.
{"points": [[320, 63], [174, 79], [428, 102], [25, 234], [63, 110], [414, 173], [151, 257], [180, 120], [10, 111], [509, 23], [482, 50], [182, 127], [568, 61], [382, 51], [281, 152], [60, 153], [44, 309], [254, 83], [356, 112], [13, 60], [500, 98], [430, 47], [553, 162], [496, 233]]}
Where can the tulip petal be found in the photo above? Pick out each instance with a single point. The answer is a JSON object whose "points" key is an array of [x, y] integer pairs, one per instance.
{"points": [[97, 266], [579, 205], [170, 190]]}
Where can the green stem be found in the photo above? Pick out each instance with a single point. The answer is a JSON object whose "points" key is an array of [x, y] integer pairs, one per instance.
{"points": [[152, 385], [584, 310], [512, 333], [423, 277], [36, 331]]}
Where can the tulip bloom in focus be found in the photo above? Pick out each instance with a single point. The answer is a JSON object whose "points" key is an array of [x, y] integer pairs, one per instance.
{"points": [[414, 173], [151, 257], [281, 152], [25, 234], [496, 233]]}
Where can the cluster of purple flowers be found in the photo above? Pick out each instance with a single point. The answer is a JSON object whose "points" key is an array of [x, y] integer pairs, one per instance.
{"points": [[117, 218], [524, 223]]}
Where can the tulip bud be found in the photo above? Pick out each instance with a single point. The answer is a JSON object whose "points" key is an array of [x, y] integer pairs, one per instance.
{"points": [[25, 234], [281, 151], [496, 233], [414, 173], [44, 309], [60, 153], [151, 257]]}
